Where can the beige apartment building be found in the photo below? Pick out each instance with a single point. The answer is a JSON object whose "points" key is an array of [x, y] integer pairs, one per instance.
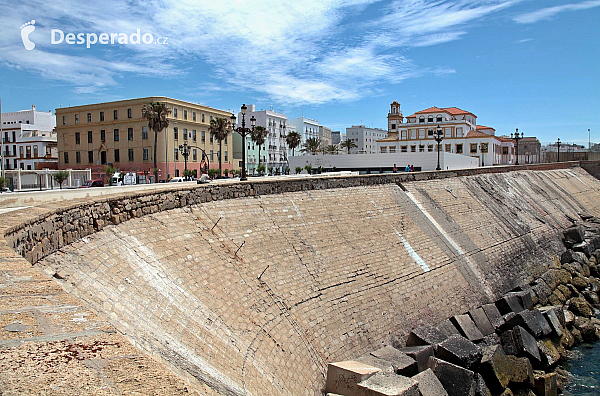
{"points": [[115, 133]]}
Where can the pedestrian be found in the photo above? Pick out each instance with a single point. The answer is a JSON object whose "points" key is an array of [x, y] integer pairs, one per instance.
{"points": [[395, 169], [407, 168], [412, 168]]}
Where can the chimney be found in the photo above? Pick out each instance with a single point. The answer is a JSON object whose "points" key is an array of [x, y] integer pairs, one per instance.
{"points": [[33, 107]]}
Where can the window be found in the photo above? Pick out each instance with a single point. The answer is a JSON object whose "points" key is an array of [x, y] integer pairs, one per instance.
{"points": [[194, 116], [421, 133], [211, 156], [448, 132], [89, 117], [194, 135], [421, 148], [430, 148], [116, 135], [66, 155], [103, 135], [76, 118], [130, 154], [175, 133], [393, 126], [439, 118], [430, 133], [117, 155], [77, 157], [392, 149], [103, 157], [129, 133], [185, 135], [202, 117], [195, 154], [115, 115], [211, 138], [413, 133], [403, 149], [176, 154], [459, 149], [90, 157], [421, 120], [505, 150], [448, 148], [77, 138], [484, 147], [64, 120], [145, 154], [89, 136], [383, 149], [185, 114], [413, 149], [28, 152], [226, 157], [101, 116], [459, 132], [430, 119], [174, 112], [145, 132], [403, 135], [128, 113], [203, 133], [473, 148], [225, 141]]}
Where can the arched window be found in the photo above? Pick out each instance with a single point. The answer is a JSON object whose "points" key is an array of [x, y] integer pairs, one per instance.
{"points": [[421, 120], [430, 119], [438, 118]]}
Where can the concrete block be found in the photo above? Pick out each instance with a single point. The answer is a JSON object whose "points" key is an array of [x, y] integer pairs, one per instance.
{"points": [[467, 327], [460, 351], [532, 321], [524, 298], [388, 384], [508, 343], [545, 383], [425, 335], [447, 328], [509, 303], [494, 316], [574, 234], [343, 377], [545, 326], [429, 384], [526, 344], [495, 369], [402, 363], [549, 354], [370, 360], [481, 321], [420, 353], [457, 380], [552, 316]]}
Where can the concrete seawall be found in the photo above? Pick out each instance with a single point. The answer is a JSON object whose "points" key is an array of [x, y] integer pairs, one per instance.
{"points": [[253, 288]]}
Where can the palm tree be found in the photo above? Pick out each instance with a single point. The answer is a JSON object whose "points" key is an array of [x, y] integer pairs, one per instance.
{"points": [[349, 144], [258, 136], [156, 113], [219, 128], [293, 140], [312, 145], [331, 149]]}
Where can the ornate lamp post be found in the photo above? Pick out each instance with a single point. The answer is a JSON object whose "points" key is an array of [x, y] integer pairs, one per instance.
{"points": [[517, 138], [558, 148], [438, 139], [243, 131], [185, 152]]}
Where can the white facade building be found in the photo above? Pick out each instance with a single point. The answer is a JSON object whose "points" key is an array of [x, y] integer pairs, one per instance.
{"points": [[307, 128], [274, 153], [365, 138], [29, 141]]}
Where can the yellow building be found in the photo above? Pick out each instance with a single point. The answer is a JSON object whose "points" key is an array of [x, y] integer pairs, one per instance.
{"points": [[115, 133]]}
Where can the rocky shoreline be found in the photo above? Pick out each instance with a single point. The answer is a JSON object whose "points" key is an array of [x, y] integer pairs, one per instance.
{"points": [[510, 347]]}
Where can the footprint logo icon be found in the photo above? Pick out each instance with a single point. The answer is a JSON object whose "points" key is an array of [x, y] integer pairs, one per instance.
{"points": [[26, 30]]}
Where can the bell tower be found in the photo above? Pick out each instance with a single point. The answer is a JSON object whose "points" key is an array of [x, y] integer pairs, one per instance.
{"points": [[395, 118]]}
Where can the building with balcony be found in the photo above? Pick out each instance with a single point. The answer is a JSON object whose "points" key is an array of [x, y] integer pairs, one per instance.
{"points": [[29, 141], [365, 138], [115, 133], [460, 133]]}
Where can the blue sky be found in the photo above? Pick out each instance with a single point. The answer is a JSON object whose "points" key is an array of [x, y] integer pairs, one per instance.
{"points": [[532, 65]]}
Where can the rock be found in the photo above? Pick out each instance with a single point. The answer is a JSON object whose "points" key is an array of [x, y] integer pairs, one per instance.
{"points": [[420, 353], [545, 383], [447, 328], [569, 317], [553, 321], [388, 384], [542, 291], [509, 304], [555, 277], [499, 370], [567, 257], [507, 392], [467, 327], [594, 285], [456, 380], [557, 298], [425, 335], [579, 282], [577, 335], [562, 378], [343, 377], [402, 363], [429, 384], [564, 290], [460, 351], [524, 298], [522, 372], [567, 340], [481, 321], [548, 353], [494, 316], [586, 328], [508, 343], [381, 364], [533, 321], [586, 270], [592, 298], [526, 344], [489, 340], [583, 247], [558, 311], [580, 307], [481, 388], [574, 234]]}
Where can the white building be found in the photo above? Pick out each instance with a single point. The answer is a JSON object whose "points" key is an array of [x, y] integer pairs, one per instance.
{"points": [[460, 133], [365, 138], [307, 128], [28, 140], [274, 153]]}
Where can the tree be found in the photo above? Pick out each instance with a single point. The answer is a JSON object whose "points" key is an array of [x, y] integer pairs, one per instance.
{"points": [[261, 169], [110, 171], [156, 113], [2, 183], [293, 140], [60, 177], [331, 149], [212, 172], [298, 169], [349, 144], [270, 168], [219, 128], [312, 146], [308, 168], [187, 173], [258, 136]]}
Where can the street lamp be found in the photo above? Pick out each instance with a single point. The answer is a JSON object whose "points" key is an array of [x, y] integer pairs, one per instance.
{"points": [[517, 138], [438, 139], [185, 152], [243, 131], [558, 148]]}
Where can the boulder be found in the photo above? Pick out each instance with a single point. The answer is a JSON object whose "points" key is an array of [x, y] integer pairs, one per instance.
{"points": [[425, 335], [381, 364], [584, 247], [579, 282], [457, 380], [460, 351], [553, 321], [592, 298], [567, 340], [554, 277], [574, 234], [564, 290], [343, 377], [594, 285], [489, 340], [580, 307], [533, 321], [577, 335], [567, 257], [586, 328], [447, 328], [499, 370], [481, 321], [541, 291], [494, 316], [574, 268], [508, 304], [467, 327], [524, 298], [526, 344], [402, 363], [429, 384], [420, 353], [388, 384], [557, 298], [545, 383], [549, 354], [569, 317]]}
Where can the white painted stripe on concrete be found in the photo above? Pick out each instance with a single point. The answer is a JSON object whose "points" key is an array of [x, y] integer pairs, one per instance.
{"points": [[415, 256]]}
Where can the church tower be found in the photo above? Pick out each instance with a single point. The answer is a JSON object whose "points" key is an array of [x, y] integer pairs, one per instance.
{"points": [[395, 118]]}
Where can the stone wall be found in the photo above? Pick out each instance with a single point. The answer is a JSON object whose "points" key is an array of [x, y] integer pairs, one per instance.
{"points": [[299, 273]]}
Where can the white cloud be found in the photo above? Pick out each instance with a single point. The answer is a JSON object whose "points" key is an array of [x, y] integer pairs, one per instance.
{"points": [[548, 13]]}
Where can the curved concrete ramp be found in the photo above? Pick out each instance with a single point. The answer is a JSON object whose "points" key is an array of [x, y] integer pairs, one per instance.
{"points": [[255, 295]]}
